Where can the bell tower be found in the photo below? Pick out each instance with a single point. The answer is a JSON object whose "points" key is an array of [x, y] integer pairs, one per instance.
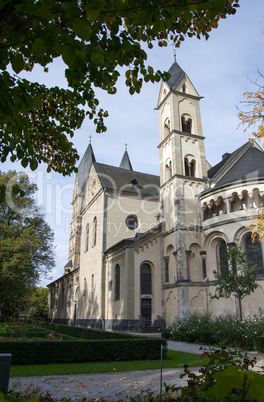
{"points": [[183, 170]]}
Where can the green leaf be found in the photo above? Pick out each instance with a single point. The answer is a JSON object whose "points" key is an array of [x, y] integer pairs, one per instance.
{"points": [[24, 162], [92, 15], [33, 164], [17, 63], [39, 47], [82, 28], [68, 55]]}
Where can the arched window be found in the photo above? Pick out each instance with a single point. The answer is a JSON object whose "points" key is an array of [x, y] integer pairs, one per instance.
{"points": [[221, 256], [94, 231], [117, 282], [87, 237], [254, 254], [184, 88], [168, 170], [166, 127], [146, 285], [189, 166], [186, 123]]}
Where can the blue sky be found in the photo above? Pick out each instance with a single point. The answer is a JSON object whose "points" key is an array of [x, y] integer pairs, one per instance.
{"points": [[221, 69]]}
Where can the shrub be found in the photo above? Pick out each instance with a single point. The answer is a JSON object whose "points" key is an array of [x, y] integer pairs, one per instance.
{"points": [[226, 377], [202, 328], [82, 332], [42, 352]]}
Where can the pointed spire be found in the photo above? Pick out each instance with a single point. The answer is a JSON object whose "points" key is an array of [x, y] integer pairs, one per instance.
{"points": [[176, 73], [85, 165], [125, 162]]}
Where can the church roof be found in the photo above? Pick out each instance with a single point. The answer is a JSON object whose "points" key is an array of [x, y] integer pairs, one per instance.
{"points": [[125, 162], [117, 178], [176, 73], [84, 167], [246, 163]]}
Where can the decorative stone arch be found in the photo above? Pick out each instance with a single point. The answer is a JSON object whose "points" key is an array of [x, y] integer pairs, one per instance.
{"points": [[253, 302], [197, 302], [170, 265], [189, 165], [195, 263], [171, 307], [168, 169], [211, 246], [234, 202], [165, 119], [166, 127]]}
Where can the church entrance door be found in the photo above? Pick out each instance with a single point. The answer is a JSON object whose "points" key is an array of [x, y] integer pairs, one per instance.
{"points": [[146, 311]]}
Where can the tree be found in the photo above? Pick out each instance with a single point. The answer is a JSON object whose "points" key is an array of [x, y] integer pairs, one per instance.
{"points": [[39, 302], [252, 118], [26, 243], [94, 38], [238, 279]]}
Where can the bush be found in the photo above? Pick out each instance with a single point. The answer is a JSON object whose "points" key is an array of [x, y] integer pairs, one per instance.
{"points": [[82, 332], [43, 352], [203, 328]]}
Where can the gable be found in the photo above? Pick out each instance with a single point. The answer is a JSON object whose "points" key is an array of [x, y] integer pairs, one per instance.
{"points": [[91, 187]]}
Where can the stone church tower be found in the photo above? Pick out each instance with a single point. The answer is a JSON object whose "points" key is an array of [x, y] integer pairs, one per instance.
{"points": [[183, 171]]}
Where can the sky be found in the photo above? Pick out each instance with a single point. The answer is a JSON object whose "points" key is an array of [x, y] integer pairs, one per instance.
{"points": [[221, 69]]}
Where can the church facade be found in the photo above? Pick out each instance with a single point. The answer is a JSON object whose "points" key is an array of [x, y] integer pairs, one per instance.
{"points": [[143, 248]]}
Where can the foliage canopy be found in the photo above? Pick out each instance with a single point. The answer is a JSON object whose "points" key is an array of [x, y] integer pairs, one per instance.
{"points": [[251, 117], [93, 38], [26, 243]]}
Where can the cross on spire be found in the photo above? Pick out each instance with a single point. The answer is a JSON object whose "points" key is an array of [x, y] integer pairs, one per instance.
{"points": [[174, 54], [126, 144], [90, 140]]}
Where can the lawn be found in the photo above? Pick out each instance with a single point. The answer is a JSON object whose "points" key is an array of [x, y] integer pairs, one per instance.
{"points": [[174, 360]]}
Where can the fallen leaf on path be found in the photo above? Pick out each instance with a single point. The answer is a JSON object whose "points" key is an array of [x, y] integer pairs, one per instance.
{"points": [[123, 379]]}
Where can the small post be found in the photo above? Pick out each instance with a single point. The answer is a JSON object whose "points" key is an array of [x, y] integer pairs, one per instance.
{"points": [[161, 357], [5, 364]]}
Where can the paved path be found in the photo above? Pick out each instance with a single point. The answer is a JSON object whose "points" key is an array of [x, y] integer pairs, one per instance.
{"points": [[108, 386]]}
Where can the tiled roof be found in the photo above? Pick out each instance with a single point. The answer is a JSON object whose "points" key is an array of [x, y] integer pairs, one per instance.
{"points": [[117, 178]]}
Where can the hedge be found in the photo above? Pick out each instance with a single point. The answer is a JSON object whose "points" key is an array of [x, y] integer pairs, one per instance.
{"points": [[43, 352], [82, 332]]}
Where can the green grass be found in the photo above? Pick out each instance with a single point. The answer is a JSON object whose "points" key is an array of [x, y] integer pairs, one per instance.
{"points": [[174, 360]]}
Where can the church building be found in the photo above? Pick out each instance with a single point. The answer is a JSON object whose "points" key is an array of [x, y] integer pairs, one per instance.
{"points": [[143, 248]]}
